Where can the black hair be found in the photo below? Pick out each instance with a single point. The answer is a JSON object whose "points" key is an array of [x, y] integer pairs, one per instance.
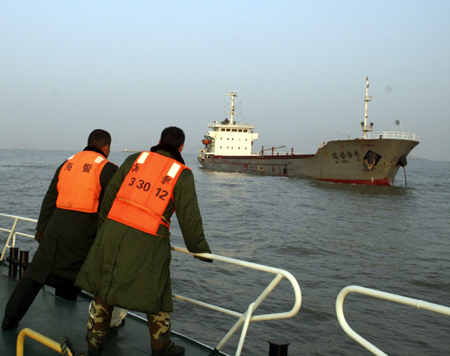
{"points": [[173, 136], [99, 139]]}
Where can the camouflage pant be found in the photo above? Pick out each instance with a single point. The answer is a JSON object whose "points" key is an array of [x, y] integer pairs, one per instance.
{"points": [[100, 318], [160, 330], [98, 323]]}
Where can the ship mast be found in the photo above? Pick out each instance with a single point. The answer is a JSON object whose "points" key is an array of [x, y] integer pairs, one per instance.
{"points": [[367, 98], [233, 94]]}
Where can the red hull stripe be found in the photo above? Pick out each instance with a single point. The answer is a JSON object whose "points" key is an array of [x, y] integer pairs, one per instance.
{"points": [[379, 182], [274, 157]]}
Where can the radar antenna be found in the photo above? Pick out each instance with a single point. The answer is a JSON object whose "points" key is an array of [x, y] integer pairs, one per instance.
{"points": [[233, 94]]}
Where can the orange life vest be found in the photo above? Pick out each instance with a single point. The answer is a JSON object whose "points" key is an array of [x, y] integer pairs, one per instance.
{"points": [[79, 182], [146, 192]]}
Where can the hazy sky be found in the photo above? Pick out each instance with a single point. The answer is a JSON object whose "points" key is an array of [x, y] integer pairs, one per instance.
{"points": [[136, 67]]}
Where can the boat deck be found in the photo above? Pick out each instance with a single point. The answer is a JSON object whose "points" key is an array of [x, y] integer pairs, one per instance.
{"points": [[55, 317]]}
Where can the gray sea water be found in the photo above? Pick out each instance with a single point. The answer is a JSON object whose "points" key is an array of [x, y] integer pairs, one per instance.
{"points": [[329, 236]]}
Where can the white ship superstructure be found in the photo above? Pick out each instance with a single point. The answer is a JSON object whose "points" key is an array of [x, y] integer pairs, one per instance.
{"points": [[228, 137]]}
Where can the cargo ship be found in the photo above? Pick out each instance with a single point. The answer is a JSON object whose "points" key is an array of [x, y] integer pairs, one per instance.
{"points": [[373, 159]]}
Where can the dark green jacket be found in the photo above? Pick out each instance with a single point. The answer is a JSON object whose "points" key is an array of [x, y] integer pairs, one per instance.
{"points": [[129, 268], [68, 235]]}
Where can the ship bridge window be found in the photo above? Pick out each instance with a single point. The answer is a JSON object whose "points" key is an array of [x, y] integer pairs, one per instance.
{"points": [[240, 130], [234, 130], [228, 130], [245, 131], [222, 129]]}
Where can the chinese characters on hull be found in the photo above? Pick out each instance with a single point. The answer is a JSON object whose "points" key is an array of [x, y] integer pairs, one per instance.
{"points": [[344, 157]]}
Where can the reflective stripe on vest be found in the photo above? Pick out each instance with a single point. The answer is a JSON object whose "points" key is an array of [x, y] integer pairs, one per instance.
{"points": [[79, 182], [146, 192]]}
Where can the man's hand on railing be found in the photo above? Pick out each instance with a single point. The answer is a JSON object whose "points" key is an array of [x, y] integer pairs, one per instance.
{"points": [[204, 259], [38, 236]]}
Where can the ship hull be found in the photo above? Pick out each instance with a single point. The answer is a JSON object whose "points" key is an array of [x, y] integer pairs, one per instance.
{"points": [[363, 162]]}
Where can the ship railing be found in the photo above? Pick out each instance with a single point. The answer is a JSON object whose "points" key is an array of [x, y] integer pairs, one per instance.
{"points": [[270, 154], [245, 318], [230, 125], [420, 304], [44, 340], [271, 151], [398, 135], [13, 233]]}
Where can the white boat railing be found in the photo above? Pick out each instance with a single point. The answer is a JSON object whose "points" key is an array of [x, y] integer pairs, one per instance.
{"points": [[420, 304], [246, 317], [13, 233], [398, 135], [388, 135]]}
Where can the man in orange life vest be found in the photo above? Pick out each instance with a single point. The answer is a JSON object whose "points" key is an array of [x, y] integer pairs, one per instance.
{"points": [[129, 263], [67, 226]]}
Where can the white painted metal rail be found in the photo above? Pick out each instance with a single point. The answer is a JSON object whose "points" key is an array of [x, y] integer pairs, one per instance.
{"points": [[398, 135], [420, 304], [13, 233], [245, 318]]}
